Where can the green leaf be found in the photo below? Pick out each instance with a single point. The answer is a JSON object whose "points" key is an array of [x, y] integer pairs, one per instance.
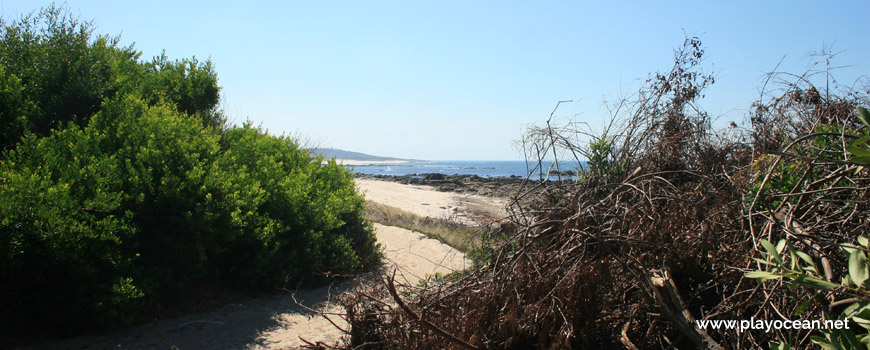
{"points": [[861, 141], [780, 246], [861, 160], [805, 257], [848, 338], [802, 307], [862, 322], [863, 313], [762, 275], [864, 115], [781, 346], [863, 241], [855, 308], [815, 283], [824, 343], [771, 251], [858, 151], [761, 261], [858, 267], [794, 257]]}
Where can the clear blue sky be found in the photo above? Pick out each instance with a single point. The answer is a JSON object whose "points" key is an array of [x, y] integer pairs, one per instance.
{"points": [[461, 79]]}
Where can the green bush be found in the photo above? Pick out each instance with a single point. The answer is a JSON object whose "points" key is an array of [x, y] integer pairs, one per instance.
{"points": [[134, 202], [187, 83], [55, 71], [310, 221], [63, 71], [124, 190]]}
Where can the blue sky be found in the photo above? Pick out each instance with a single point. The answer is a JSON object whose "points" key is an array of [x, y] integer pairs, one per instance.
{"points": [[460, 80]]}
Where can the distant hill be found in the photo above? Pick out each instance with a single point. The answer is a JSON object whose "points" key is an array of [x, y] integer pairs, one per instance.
{"points": [[348, 155]]}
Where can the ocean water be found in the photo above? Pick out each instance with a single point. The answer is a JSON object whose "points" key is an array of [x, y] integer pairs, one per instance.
{"points": [[480, 168]]}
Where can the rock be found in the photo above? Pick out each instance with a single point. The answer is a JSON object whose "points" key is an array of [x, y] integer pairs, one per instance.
{"points": [[435, 176]]}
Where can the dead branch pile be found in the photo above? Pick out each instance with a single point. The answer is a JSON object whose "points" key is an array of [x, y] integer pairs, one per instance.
{"points": [[657, 234]]}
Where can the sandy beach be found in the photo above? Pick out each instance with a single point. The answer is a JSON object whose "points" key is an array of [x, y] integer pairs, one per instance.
{"points": [[426, 201], [277, 322]]}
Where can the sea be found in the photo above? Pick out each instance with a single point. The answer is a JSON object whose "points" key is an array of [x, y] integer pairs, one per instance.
{"points": [[481, 168]]}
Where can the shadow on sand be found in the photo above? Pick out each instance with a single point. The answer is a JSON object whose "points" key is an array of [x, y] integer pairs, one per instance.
{"points": [[266, 322]]}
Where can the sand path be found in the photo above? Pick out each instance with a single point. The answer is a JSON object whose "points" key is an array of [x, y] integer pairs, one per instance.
{"points": [[277, 322]]}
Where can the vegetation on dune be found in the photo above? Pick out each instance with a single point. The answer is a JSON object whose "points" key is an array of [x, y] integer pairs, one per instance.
{"points": [[670, 223], [122, 187], [464, 238]]}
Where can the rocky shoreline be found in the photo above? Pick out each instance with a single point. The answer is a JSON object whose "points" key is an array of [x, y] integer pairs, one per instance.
{"points": [[503, 187]]}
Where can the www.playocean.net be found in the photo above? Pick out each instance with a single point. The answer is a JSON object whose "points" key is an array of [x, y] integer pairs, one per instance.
{"points": [[768, 325]]}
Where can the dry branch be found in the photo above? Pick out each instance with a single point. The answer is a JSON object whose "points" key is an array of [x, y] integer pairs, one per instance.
{"points": [[661, 192], [426, 324]]}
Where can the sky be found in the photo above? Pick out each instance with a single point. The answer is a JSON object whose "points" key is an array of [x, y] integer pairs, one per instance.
{"points": [[462, 80]]}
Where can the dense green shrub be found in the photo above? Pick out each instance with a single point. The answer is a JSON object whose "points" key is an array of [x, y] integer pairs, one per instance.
{"points": [[63, 71], [54, 71], [87, 212], [187, 83], [121, 188], [310, 216]]}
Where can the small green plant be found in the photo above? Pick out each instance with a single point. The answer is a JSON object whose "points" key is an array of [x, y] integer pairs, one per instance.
{"points": [[601, 161], [784, 261], [859, 150], [430, 279]]}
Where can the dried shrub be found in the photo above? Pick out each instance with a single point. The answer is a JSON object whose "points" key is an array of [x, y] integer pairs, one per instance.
{"points": [[658, 231]]}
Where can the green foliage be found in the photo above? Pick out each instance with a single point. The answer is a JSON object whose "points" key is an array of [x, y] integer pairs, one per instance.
{"points": [[13, 109], [858, 148], [121, 188], [144, 202], [801, 270], [310, 214], [602, 167], [786, 183], [787, 174], [600, 153], [55, 71], [188, 84], [64, 71], [125, 206], [430, 279]]}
